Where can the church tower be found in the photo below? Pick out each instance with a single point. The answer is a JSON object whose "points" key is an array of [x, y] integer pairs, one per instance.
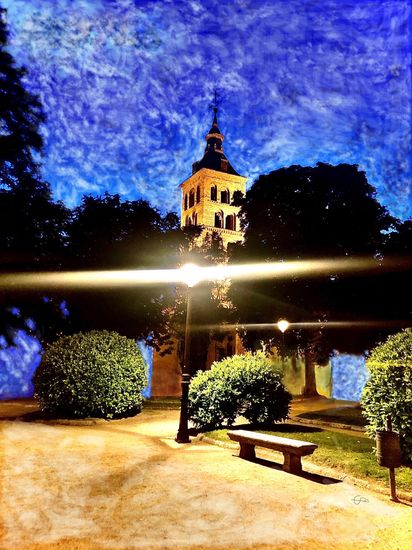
{"points": [[206, 201], [207, 194]]}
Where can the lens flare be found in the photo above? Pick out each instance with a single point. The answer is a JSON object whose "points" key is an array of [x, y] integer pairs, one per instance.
{"points": [[190, 276], [311, 325]]}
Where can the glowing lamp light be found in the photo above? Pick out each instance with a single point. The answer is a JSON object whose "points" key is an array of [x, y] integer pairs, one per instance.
{"points": [[190, 274], [282, 325]]}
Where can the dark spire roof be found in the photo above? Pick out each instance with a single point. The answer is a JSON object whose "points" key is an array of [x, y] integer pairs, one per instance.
{"points": [[214, 129], [214, 157]]}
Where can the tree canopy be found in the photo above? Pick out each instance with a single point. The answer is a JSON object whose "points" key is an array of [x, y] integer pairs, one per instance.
{"points": [[21, 115], [304, 213], [32, 225], [107, 233]]}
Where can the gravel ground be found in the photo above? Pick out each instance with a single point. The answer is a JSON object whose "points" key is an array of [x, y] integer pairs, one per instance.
{"points": [[126, 484]]}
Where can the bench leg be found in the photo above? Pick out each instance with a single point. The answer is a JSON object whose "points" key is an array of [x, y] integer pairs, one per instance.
{"points": [[247, 451], [292, 464]]}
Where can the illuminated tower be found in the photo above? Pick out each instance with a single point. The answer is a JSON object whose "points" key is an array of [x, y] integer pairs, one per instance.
{"points": [[207, 194]]}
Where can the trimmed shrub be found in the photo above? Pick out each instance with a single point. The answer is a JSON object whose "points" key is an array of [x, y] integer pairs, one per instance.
{"points": [[92, 374], [243, 385], [389, 388]]}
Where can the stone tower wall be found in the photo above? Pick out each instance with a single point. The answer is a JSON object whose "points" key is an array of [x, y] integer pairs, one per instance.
{"points": [[206, 208]]}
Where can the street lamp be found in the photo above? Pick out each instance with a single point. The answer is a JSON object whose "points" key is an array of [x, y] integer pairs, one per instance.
{"points": [[283, 325], [190, 275]]}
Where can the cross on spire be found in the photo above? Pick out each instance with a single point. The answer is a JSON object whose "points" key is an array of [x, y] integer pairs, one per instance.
{"points": [[214, 157], [214, 105], [216, 101]]}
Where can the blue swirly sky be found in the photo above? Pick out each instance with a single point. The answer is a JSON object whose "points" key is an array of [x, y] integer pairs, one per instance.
{"points": [[126, 86]]}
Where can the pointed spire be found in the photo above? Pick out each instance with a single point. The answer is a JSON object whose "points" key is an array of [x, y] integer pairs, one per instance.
{"points": [[214, 129], [214, 157]]}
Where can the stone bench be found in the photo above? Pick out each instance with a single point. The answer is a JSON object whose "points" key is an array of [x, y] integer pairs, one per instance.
{"points": [[292, 449]]}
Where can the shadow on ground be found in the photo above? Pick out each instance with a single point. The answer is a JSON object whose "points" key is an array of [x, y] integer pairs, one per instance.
{"points": [[323, 480]]}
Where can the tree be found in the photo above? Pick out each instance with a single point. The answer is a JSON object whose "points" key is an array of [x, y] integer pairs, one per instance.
{"points": [[303, 213], [21, 115], [32, 226], [395, 294], [107, 233]]}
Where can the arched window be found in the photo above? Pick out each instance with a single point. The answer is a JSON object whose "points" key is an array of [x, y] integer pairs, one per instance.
{"points": [[229, 222], [197, 194], [219, 219], [191, 198], [225, 196], [188, 220], [213, 193], [194, 219], [186, 201]]}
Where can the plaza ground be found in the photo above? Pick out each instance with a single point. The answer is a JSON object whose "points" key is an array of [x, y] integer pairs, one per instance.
{"points": [[126, 484]]}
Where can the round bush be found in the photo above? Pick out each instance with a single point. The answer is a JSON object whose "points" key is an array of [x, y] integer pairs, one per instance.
{"points": [[389, 388], [92, 374], [243, 385]]}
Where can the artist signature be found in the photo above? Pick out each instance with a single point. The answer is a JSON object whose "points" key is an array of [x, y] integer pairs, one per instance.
{"points": [[358, 499]]}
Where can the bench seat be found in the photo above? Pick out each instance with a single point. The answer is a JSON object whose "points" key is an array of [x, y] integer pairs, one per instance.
{"points": [[292, 449]]}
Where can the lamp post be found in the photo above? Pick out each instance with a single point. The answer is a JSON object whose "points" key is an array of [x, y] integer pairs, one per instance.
{"points": [[283, 325], [190, 276]]}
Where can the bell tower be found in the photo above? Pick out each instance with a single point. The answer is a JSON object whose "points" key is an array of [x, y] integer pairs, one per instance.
{"points": [[207, 194], [206, 202]]}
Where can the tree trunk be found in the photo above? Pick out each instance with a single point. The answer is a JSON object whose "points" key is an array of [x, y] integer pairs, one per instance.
{"points": [[309, 389]]}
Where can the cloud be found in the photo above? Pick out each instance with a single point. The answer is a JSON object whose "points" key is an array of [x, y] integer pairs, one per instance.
{"points": [[126, 86]]}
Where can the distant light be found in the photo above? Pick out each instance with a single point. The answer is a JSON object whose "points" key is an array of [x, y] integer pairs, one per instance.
{"points": [[190, 274], [283, 325]]}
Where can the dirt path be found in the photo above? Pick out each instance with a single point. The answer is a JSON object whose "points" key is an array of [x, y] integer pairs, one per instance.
{"points": [[127, 484]]}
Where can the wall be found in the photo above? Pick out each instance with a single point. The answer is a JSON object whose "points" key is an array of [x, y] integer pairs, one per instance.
{"points": [[349, 375], [17, 366]]}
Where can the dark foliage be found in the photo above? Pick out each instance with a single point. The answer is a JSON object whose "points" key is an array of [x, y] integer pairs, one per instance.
{"points": [[95, 374], [32, 226], [21, 115], [305, 213], [109, 234], [389, 388], [247, 385]]}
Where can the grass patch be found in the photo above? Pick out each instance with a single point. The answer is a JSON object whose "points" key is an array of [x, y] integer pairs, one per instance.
{"points": [[351, 454], [351, 416]]}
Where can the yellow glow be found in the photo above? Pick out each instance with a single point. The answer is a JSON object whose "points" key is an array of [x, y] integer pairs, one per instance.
{"points": [[283, 325], [190, 274], [131, 278], [90, 279]]}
